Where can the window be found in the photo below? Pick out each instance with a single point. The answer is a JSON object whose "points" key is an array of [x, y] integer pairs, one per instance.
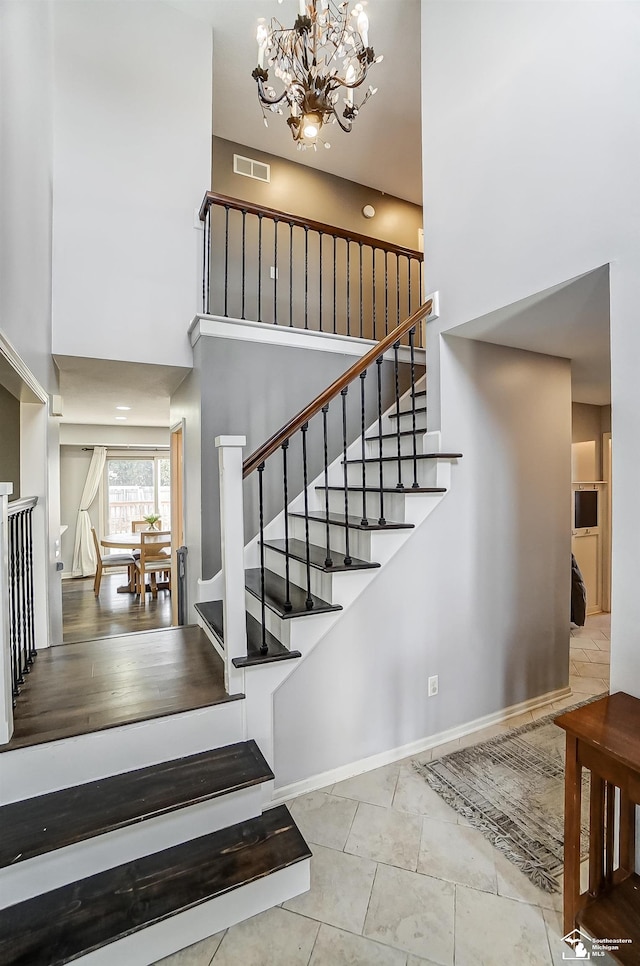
{"points": [[135, 487], [251, 169]]}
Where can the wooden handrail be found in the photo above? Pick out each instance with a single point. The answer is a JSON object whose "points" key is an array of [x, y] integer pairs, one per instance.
{"points": [[212, 198], [18, 506], [264, 452]]}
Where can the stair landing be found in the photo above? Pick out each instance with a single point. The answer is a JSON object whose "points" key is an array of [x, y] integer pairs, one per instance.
{"points": [[75, 689]]}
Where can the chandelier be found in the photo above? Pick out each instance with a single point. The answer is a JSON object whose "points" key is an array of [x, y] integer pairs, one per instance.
{"points": [[320, 62]]}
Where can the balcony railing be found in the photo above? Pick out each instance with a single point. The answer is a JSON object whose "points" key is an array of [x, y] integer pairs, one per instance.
{"points": [[21, 601], [268, 266]]}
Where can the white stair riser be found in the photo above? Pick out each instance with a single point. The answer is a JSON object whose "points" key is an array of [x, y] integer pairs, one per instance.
{"points": [[393, 505], [275, 625], [42, 873], [390, 427], [321, 583], [390, 446], [164, 938], [359, 540], [39, 769], [426, 471]]}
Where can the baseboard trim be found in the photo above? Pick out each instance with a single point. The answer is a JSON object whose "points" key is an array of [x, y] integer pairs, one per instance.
{"points": [[315, 782]]}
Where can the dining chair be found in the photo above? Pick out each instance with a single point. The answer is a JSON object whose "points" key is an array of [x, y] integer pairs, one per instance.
{"points": [[138, 525], [109, 561], [152, 561]]}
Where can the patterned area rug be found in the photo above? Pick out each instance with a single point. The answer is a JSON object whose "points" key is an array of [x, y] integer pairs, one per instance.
{"points": [[512, 789]]}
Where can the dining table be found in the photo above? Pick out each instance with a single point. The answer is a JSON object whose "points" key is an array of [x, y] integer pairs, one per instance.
{"points": [[128, 540]]}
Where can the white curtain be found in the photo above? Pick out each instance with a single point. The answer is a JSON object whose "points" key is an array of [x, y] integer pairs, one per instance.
{"points": [[84, 554]]}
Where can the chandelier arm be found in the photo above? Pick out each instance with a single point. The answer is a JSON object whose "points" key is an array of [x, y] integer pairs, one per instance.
{"points": [[347, 128], [265, 99]]}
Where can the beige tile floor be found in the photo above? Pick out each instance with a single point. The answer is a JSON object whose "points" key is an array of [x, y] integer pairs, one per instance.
{"points": [[399, 879]]}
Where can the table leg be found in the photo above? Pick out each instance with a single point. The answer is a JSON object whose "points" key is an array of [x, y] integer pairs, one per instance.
{"points": [[627, 834], [596, 835], [572, 806]]}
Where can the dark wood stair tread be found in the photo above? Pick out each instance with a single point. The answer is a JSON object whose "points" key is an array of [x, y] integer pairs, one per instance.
{"points": [[420, 431], [410, 456], [318, 556], [61, 925], [354, 523], [275, 589], [39, 825], [386, 489], [212, 612]]}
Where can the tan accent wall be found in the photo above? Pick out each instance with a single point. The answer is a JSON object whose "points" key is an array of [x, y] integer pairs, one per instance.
{"points": [[302, 190]]}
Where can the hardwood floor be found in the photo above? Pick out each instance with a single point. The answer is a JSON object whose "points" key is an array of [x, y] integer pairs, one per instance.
{"points": [[87, 686], [87, 617]]}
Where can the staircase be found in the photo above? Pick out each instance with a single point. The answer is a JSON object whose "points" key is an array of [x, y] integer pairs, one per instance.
{"points": [[313, 559], [139, 864]]}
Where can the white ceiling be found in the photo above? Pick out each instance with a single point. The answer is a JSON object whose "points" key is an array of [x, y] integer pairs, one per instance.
{"points": [[384, 149], [92, 388], [570, 320]]}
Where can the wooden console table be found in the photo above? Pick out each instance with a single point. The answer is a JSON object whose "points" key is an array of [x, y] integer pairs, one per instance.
{"points": [[604, 738]]}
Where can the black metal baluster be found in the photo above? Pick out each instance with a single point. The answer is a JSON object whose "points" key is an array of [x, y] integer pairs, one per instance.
{"points": [[244, 257], [208, 224], [381, 519], [409, 286], [399, 484], [348, 287], [287, 603], [26, 666], [204, 264], [320, 237], [226, 261], [328, 562], [335, 302], [263, 607], [360, 249], [309, 601], [17, 557], [363, 376], [397, 289], [260, 268], [32, 640], [412, 336], [347, 555], [290, 274], [386, 292], [373, 274], [13, 604], [306, 277], [275, 272]]}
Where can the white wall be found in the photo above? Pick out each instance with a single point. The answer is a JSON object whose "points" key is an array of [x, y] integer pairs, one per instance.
{"points": [[531, 159], [132, 160], [25, 183], [460, 600]]}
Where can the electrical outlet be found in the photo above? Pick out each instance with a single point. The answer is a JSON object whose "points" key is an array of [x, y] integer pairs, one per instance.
{"points": [[433, 685]]}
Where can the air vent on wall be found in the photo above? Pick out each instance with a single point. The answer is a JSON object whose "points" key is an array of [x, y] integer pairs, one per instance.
{"points": [[251, 169]]}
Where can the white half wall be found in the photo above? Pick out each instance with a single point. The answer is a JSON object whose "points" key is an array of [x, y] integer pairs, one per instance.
{"points": [[463, 599], [132, 160], [531, 158]]}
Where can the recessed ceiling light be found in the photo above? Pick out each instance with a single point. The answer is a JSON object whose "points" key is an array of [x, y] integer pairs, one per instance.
{"points": [[121, 417], [123, 408]]}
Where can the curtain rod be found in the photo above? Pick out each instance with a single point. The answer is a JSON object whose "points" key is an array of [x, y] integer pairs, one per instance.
{"points": [[151, 449]]}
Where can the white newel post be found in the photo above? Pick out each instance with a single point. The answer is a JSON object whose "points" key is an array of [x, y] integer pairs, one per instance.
{"points": [[6, 703], [232, 546]]}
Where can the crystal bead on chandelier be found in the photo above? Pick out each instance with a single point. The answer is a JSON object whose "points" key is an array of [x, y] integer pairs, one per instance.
{"points": [[321, 61]]}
